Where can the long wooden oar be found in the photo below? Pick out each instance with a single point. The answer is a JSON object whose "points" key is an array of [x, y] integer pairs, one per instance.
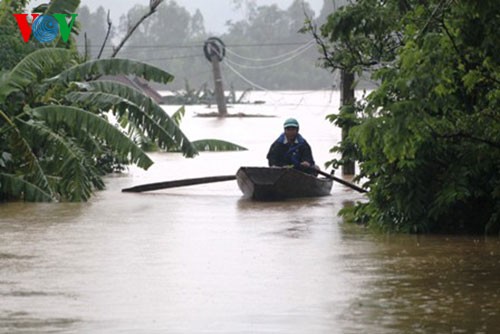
{"points": [[345, 183], [178, 183]]}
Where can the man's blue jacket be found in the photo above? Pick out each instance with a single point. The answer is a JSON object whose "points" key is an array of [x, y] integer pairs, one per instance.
{"points": [[282, 153]]}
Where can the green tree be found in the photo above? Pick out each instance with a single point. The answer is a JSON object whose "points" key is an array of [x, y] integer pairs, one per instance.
{"points": [[51, 141], [54, 126], [428, 139], [56, 137]]}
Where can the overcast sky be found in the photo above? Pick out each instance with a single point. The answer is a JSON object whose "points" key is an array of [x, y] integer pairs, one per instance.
{"points": [[215, 12]]}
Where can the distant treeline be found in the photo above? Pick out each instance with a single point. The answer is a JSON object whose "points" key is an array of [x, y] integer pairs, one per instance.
{"points": [[265, 50]]}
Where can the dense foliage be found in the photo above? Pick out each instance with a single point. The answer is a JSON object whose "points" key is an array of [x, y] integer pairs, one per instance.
{"points": [[58, 135], [428, 139], [54, 129]]}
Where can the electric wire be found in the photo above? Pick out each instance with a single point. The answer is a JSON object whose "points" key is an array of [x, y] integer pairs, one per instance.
{"points": [[242, 77], [270, 65], [198, 45], [304, 46], [256, 85], [231, 64], [176, 57], [228, 63]]}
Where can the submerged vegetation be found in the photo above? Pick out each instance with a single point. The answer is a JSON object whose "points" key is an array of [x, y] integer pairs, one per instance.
{"points": [[202, 95], [428, 138]]}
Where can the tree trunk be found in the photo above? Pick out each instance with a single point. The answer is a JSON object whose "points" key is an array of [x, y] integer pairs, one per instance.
{"points": [[347, 98]]}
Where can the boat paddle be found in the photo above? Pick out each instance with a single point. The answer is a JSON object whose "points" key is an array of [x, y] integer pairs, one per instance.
{"points": [[339, 180], [212, 179], [178, 183]]}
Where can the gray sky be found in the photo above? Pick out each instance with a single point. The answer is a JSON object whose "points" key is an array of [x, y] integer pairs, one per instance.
{"points": [[215, 12]]}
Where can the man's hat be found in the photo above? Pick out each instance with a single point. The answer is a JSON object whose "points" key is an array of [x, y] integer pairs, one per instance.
{"points": [[291, 123]]}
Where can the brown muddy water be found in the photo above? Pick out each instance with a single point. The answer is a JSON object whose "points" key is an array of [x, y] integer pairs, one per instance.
{"points": [[201, 259]]}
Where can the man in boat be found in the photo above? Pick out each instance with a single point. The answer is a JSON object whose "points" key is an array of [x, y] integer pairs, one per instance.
{"points": [[291, 150]]}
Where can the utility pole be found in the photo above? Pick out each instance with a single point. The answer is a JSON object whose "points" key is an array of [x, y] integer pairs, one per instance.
{"points": [[215, 51], [346, 98]]}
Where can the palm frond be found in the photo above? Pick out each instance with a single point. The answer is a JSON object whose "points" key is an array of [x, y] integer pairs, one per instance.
{"points": [[22, 149], [178, 115], [76, 174], [38, 65], [5, 87], [96, 100], [76, 182], [17, 187], [150, 108], [127, 113], [114, 66], [97, 126], [62, 6], [215, 145]]}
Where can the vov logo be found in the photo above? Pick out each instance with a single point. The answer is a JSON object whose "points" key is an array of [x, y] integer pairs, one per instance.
{"points": [[45, 28]]}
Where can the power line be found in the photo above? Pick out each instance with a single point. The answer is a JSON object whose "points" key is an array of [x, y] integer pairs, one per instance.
{"points": [[184, 46], [158, 46], [130, 50], [264, 44], [255, 85], [242, 77], [298, 53], [176, 57], [306, 45]]}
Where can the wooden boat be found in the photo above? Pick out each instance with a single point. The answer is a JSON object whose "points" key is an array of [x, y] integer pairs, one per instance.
{"points": [[262, 183]]}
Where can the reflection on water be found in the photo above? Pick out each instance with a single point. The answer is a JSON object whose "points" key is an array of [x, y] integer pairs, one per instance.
{"points": [[202, 259]]}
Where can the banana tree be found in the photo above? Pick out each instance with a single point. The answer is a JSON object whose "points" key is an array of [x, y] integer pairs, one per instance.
{"points": [[55, 125]]}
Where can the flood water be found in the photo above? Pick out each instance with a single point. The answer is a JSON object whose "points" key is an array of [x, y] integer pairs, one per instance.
{"points": [[201, 259]]}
